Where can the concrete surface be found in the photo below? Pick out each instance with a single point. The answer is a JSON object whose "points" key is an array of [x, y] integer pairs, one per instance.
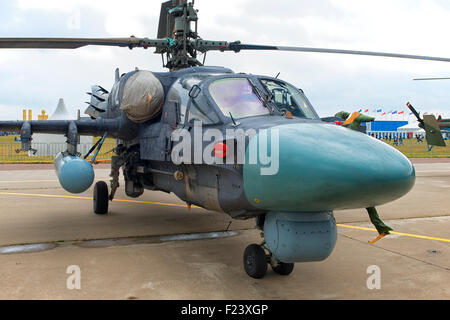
{"points": [[34, 209]]}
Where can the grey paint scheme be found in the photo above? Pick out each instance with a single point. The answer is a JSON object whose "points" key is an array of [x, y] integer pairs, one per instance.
{"points": [[214, 187]]}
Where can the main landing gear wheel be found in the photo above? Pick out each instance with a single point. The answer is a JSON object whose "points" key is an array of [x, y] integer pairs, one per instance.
{"points": [[255, 261], [101, 198], [283, 269]]}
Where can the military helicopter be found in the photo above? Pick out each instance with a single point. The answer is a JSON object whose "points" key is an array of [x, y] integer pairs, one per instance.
{"points": [[430, 124], [312, 168]]}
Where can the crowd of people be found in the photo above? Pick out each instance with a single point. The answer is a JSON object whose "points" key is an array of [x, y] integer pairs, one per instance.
{"points": [[4, 134], [397, 139]]}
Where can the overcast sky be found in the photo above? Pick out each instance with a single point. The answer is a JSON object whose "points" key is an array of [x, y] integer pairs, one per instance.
{"points": [[36, 79]]}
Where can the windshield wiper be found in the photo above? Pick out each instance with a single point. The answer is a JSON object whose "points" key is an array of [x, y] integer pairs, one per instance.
{"points": [[261, 96]]}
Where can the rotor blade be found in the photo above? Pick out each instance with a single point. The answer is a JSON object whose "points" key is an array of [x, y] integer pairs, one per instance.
{"points": [[236, 46], [74, 43], [423, 79]]}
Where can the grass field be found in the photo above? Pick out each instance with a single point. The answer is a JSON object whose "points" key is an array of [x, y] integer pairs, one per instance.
{"points": [[8, 154], [414, 149]]}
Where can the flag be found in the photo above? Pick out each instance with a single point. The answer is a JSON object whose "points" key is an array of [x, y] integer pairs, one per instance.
{"points": [[383, 114], [380, 110], [401, 112], [394, 112], [367, 110], [360, 110]]}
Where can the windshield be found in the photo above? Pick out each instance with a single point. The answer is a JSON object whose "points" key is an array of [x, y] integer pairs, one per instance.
{"points": [[236, 96], [289, 98]]}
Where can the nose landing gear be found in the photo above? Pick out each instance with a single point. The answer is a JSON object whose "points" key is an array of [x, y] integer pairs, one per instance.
{"points": [[256, 259], [282, 268]]}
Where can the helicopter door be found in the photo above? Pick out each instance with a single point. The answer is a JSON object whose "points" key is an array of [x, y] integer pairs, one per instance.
{"points": [[171, 118]]}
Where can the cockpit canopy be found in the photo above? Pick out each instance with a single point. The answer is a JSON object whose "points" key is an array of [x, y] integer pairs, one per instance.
{"points": [[288, 98], [215, 98]]}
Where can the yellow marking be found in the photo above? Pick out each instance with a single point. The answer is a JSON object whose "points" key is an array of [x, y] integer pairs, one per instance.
{"points": [[156, 203], [26, 181], [43, 195], [426, 171], [90, 198], [397, 233], [256, 200], [35, 181], [184, 206]]}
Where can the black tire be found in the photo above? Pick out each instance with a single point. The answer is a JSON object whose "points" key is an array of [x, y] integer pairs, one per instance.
{"points": [[283, 269], [255, 261], [101, 198]]}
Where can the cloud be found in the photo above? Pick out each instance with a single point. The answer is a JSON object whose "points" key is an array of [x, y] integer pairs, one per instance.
{"points": [[38, 78], [11, 112]]}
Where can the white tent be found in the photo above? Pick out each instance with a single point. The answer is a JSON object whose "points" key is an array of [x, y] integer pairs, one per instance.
{"points": [[411, 127], [51, 144], [60, 112]]}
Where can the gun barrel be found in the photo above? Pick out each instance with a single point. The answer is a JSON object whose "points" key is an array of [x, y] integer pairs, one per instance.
{"points": [[414, 111]]}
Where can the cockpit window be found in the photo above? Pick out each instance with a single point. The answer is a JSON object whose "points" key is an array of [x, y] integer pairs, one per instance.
{"points": [[180, 91], [236, 96], [202, 111], [289, 98]]}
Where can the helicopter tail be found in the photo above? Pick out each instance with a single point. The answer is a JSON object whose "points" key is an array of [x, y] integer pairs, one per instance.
{"points": [[431, 126], [433, 131]]}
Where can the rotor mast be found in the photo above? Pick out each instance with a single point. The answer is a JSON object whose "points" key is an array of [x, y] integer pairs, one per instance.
{"points": [[181, 28]]}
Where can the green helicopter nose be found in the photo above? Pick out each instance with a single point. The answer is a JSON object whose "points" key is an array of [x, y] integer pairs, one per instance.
{"points": [[320, 167]]}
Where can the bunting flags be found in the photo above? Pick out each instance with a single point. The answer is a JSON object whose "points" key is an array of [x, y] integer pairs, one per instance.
{"points": [[382, 113]]}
